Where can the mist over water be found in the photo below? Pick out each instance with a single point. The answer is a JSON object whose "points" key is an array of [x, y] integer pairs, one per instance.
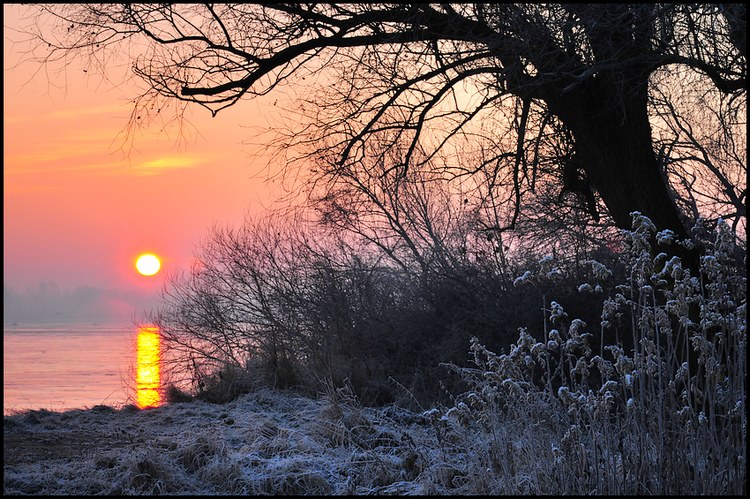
{"points": [[48, 302], [59, 366]]}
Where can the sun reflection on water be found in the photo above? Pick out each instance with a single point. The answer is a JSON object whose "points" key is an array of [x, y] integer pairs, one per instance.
{"points": [[147, 367]]}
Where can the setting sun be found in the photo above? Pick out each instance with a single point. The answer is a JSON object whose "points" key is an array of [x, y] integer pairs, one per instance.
{"points": [[147, 264]]}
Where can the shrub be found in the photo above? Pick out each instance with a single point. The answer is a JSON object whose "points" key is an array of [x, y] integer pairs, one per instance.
{"points": [[665, 416]]}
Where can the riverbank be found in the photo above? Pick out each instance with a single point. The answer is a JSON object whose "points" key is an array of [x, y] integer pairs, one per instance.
{"points": [[262, 443], [277, 443]]}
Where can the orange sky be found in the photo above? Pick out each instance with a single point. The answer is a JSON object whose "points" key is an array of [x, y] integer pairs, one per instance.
{"points": [[78, 210]]}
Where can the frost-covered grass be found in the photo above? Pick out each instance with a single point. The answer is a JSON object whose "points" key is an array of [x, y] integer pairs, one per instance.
{"points": [[261, 443], [656, 405]]}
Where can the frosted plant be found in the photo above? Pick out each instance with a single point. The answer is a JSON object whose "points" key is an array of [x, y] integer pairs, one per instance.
{"points": [[600, 270], [660, 410], [556, 312], [523, 278], [665, 237]]}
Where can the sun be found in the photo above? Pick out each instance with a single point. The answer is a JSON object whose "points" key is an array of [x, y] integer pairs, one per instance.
{"points": [[147, 264]]}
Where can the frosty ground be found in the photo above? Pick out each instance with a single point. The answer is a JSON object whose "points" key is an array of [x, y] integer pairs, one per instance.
{"points": [[262, 443]]}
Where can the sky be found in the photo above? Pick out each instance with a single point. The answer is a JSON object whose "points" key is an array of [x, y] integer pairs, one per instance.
{"points": [[78, 207]]}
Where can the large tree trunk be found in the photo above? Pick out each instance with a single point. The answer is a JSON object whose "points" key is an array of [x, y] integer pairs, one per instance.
{"points": [[610, 125]]}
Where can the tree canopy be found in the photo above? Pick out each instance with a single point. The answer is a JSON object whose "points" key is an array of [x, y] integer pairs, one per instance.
{"points": [[502, 96]]}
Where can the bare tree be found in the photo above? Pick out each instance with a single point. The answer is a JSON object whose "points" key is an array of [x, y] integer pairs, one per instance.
{"points": [[701, 139], [463, 88]]}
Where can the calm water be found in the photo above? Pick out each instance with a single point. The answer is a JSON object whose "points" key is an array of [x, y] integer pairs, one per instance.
{"points": [[70, 366]]}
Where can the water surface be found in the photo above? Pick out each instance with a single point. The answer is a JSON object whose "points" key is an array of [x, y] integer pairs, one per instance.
{"points": [[70, 366]]}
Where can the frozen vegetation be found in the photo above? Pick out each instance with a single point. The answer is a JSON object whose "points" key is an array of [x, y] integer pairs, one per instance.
{"points": [[557, 414], [261, 443]]}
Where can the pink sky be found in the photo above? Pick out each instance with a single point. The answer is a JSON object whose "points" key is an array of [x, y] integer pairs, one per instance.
{"points": [[78, 210]]}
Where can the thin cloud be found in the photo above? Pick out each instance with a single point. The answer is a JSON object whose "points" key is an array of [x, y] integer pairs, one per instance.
{"points": [[68, 114], [63, 158], [166, 163], [37, 167]]}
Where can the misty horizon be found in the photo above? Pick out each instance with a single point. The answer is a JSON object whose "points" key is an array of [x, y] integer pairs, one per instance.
{"points": [[49, 302]]}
